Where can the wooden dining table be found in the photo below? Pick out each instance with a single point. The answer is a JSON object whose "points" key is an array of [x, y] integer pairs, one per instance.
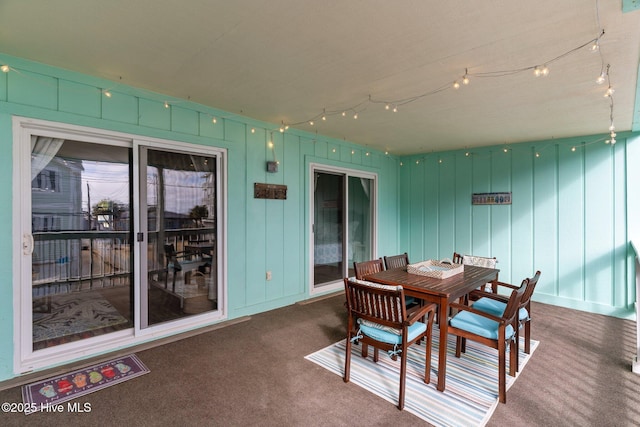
{"points": [[440, 291]]}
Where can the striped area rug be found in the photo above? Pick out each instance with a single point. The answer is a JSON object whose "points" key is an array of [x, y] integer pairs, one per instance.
{"points": [[471, 394]]}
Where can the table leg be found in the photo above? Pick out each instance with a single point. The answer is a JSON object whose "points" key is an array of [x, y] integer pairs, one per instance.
{"points": [[443, 323]]}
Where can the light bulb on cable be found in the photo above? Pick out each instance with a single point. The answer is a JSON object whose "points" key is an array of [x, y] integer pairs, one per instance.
{"points": [[456, 85], [544, 71], [595, 46], [465, 80], [5, 68], [609, 92], [601, 78]]}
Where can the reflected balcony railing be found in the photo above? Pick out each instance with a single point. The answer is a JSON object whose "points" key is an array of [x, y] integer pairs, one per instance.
{"points": [[73, 261]]}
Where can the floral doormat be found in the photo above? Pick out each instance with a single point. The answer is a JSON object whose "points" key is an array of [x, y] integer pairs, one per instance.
{"points": [[43, 395], [75, 314]]}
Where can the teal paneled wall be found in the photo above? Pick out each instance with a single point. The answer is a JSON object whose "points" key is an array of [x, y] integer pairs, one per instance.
{"points": [[568, 217], [262, 235]]}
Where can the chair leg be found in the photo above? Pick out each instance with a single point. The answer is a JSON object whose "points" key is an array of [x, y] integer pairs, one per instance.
{"points": [[514, 362], [527, 337], [458, 346], [347, 360], [502, 372], [429, 344], [403, 378]]}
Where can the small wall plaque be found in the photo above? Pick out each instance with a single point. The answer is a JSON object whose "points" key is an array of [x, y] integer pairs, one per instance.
{"points": [[269, 191], [491, 198]]}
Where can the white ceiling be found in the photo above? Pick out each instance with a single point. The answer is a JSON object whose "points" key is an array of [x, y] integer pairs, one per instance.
{"points": [[287, 61]]}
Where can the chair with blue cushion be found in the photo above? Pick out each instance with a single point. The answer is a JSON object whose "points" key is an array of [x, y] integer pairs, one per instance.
{"points": [[495, 304], [377, 316], [499, 332]]}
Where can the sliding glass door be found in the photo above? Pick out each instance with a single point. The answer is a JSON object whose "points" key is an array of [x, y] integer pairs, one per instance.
{"points": [[343, 224], [180, 246], [119, 237]]}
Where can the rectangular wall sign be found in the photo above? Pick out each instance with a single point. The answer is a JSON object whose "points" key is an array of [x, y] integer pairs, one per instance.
{"points": [[269, 191], [491, 198]]}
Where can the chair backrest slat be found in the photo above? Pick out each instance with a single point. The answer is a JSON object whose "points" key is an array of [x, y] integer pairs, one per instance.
{"points": [[396, 261], [367, 267], [511, 311], [526, 298], [376, 303]]}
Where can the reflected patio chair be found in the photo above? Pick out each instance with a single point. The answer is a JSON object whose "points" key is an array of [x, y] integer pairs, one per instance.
{"points": [[181, 261], [396, 261], [367, 267], [499, 332], [378, 317], [494, 303]]}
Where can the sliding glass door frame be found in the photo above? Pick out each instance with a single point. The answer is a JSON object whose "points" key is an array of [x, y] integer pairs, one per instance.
{"points": [[347, 173], [140, 147], [25, 358]]}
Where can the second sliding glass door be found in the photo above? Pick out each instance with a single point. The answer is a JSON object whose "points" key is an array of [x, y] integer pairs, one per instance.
{"points": [[342, 224]]}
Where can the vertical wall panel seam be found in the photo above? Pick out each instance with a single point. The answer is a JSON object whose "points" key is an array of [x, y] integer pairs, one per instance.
{"points": [[627, 277], [533, 200], [613, 226], [438, 203], [491, 210], [246, 214], [137, 98], [557, 202], [583, 268], [57, 94], [511, 179], [470, 223], [455, 200]]}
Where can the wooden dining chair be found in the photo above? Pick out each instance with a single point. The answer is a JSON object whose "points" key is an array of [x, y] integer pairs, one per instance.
{"points": [[495, 303], [396, 261], [478, 261], [499, 332], [378, 317], [367, 267]]}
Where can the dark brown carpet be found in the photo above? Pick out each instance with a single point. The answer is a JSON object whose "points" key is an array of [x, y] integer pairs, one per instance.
{"points": [[254, 374]]}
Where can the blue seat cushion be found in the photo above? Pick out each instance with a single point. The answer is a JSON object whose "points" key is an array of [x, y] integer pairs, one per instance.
{"points": [[387, 334], [479, 325], [491, 306]]}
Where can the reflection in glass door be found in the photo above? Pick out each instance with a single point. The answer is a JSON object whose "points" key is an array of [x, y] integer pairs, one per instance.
{"points": [[343, 224], [360, 224], [328, 242], [81, 263], [180, 193]]}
